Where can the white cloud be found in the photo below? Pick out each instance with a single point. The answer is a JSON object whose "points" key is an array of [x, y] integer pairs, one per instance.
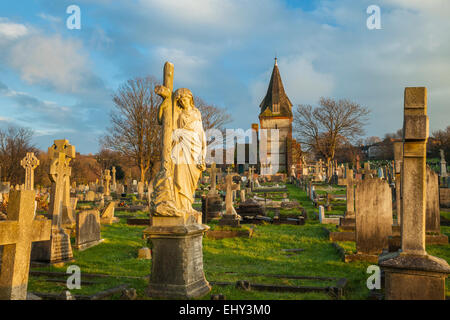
{"points": [[62, 64], [10, 30]]}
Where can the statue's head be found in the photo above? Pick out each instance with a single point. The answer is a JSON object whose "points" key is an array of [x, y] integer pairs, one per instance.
{"points": [[184, 98]]}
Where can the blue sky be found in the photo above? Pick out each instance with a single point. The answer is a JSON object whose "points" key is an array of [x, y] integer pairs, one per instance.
{"points": [[59, 82]]}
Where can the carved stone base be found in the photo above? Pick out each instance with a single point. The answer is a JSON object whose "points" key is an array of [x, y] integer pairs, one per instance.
{"points": [[177, 266], [57, 250], [412, 277]]}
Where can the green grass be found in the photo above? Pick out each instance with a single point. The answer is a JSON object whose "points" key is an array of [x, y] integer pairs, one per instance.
{"points": [[229, 260]]}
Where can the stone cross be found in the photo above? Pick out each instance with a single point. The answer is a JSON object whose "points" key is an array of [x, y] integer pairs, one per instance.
{"points": [[107, 178], [29, 163], [113, 176], [58, 249], [16, 235], [230, 187], [229, 170]]}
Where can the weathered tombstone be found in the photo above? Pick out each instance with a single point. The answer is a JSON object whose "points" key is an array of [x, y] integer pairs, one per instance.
{"points": [[348, 221], [443, 164], [242, 195], [327, 220], [114, 184], [373, 212], [107, 216], [16, 236], [107, 178], [433, 214], [230, 217], [29, 163], [398, 158], [87, 230], [411, 273], [58, 249]]}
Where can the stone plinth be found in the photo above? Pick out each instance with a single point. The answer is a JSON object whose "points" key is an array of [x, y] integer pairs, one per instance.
{"points": [[414, 277], [177, 267]]}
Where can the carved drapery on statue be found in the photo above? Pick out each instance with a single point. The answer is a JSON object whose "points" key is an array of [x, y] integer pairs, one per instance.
{"points": [[183, 151]]}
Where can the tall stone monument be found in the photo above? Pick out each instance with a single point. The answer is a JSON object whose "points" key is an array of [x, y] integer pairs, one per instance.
{"points": [[176, 231], [412, 274], [58, 249], [107, 178]]}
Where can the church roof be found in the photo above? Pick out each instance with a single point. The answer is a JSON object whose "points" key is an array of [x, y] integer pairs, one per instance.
{"points": [[276, 97]]}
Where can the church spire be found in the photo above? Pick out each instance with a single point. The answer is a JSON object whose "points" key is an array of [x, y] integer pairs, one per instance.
{"points": [[276, 102]]}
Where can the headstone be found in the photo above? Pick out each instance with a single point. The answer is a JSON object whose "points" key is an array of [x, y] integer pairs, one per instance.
{"points": [[230, 217], [58, 249], [107, 216], [16, 236], [87, 230], [107, 178], [398, 158], [373, 206], [412, 274], [443, 164], [433, 215]]}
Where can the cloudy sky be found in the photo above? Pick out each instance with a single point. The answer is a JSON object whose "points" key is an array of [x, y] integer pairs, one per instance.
{"points": [[59, 82]]}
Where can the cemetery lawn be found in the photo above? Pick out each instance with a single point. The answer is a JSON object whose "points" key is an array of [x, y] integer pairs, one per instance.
{"points": [[228, 260]]}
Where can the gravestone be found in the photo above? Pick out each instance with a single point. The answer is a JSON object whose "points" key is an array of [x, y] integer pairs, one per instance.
{"points": [[107, 216], [398, 157], [58, 249], [412, 274], [29, 163], [107, 178], [16, 235], [87, 230], [433, 214], [348, 221], [373, 206], [230, 217], [327, 220]]}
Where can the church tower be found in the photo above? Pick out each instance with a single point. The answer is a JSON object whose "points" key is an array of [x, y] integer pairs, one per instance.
{"points": [[276, 113]]}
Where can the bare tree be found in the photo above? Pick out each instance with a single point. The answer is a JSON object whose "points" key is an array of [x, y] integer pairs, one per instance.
{"points": [[135, 132], [14, 144], [332, 123]]}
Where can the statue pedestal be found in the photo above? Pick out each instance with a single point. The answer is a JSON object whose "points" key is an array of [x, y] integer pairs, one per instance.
{"points": [[414, 277], [177, 261]]}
